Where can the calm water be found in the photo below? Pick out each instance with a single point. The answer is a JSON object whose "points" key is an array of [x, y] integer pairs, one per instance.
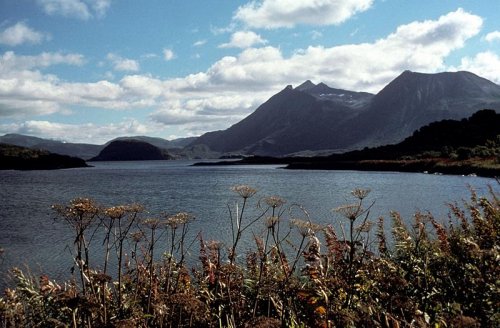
{"points": [[29, 235]]}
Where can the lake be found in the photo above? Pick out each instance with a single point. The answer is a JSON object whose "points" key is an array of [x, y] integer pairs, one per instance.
{"points": [[30, 235]]}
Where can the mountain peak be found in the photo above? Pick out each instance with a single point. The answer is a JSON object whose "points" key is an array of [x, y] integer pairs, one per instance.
{"points": [[305, 86]]}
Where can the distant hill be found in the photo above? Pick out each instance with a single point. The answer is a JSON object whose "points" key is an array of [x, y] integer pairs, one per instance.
{"points": [[21, 158], [131, 150], [81, 150], [159, 142], [87, 151], [314, 118]]}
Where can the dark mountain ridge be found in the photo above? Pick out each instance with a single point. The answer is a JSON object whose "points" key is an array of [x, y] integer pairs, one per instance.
{"points": [[319, 118], [413, 100], [290, 121]]}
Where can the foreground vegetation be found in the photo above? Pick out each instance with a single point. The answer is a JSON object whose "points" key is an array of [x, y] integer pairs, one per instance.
{"points": [[298, 274]]}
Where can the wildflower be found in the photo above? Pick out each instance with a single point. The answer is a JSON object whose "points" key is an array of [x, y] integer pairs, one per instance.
{"points": [[151, 223], [244, 191], [179, 219], [115, 212], [305, 228], [274, 201], [137, 236], [360, 193], [365, 227], [320, 310], [118, 212], [77, 209], [349, 211], [271, 221], [83, 205], [313, 257]]}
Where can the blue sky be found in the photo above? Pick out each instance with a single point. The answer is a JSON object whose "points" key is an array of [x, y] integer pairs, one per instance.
{"points": [[92, 70]]}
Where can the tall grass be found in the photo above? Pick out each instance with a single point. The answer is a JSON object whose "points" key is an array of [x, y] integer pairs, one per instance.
{"points": [[298, 274]]}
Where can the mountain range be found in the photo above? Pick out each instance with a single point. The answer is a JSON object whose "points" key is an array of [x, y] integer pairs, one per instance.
{"points": [[316, 117], [313, 119]]}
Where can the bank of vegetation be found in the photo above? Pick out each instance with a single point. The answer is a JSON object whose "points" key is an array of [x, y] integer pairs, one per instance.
{"points": [[298, 274], [22, 158], [470, 146]]}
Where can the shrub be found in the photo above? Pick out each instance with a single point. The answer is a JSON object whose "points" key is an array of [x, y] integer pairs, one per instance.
{"points": [[299, 274]]}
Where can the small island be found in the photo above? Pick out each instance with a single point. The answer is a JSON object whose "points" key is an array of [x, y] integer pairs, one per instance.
{"points": [[131, 150], [22, 158]]}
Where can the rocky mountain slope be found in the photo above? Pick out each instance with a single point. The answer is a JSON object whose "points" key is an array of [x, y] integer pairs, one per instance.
{"points": [[316, 117], [414, 99], [290, 121]]}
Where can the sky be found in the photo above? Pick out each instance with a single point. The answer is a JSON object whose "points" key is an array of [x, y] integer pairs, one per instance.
{"points": [[93, 70]]}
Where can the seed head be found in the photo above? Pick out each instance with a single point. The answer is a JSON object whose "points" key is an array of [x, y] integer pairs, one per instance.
{"points": [[306, 228], [115, 212], [152, 223], [244, 191], [360, 193], [349, 211], [137, 236], [274, 201], [179, 219], [271, 221]]}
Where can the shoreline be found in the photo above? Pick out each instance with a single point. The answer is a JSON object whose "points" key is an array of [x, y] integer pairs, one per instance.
{"points": [[431, 165]]}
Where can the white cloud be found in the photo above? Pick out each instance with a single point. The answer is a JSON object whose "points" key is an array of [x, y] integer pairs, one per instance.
{"points": [[485, 64], [235, 85], [418, 46], [81, 9], [123, 64], [316, 35], [243, 39], [21, 33], [492, 36], [100, 6], [12, 64], [84, 133], [168, 54], [289, 13], [199, 43]]}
